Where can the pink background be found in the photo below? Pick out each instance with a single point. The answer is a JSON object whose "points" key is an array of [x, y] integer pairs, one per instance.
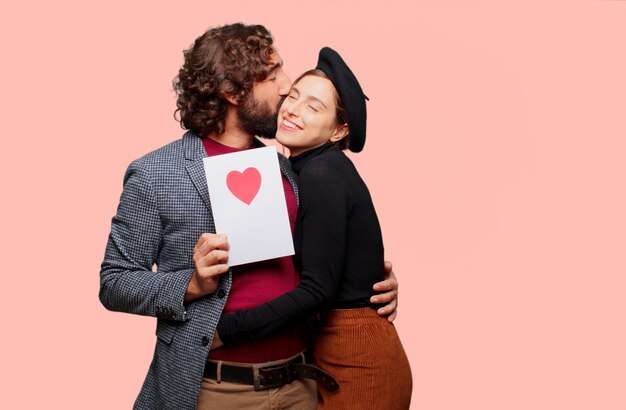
{"points": [[495, 158]]}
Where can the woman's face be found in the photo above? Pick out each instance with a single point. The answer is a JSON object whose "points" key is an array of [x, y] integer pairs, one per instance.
{"points": [[306, 119]]}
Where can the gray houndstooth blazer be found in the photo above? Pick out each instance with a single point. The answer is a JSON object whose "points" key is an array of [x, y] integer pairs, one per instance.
{"points": [[163, 209]]}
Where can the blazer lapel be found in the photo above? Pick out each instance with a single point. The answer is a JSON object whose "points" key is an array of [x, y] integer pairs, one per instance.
{"points": [[285, 168], [194, 154]]}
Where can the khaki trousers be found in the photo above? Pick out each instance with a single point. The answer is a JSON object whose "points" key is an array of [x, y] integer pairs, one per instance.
{"points": [[299, 394]]}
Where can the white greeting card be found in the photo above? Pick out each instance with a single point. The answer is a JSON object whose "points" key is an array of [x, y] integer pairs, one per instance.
{"points": [[248, 204]]}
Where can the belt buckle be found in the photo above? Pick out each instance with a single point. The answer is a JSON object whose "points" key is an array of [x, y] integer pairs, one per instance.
{"points": [[264, 380]]}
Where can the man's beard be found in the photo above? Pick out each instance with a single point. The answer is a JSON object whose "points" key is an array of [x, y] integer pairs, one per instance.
{"points": [[256, 117]]}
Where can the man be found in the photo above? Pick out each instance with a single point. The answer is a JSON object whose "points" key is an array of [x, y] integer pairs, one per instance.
{"points": [[229, 90]]}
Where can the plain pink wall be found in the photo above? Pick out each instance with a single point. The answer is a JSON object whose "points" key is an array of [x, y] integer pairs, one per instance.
{"points": [[495, 157]]}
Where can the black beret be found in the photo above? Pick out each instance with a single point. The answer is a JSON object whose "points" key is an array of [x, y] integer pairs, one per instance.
{"points": [[350, 92]]}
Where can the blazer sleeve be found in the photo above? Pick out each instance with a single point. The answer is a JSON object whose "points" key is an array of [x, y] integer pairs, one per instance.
{"points": [[127, 280]]}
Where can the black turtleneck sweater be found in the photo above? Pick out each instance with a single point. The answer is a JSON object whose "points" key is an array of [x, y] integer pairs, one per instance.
{"points": [[338, 244]]}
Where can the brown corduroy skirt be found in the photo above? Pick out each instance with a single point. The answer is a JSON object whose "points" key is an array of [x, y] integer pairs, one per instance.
{"points": [[363, 352]]}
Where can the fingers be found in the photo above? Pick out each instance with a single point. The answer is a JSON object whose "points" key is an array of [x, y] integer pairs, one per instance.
{"points": [[388, 297], [214, 257], [211, 264], [390, 282], [217, 342], [210, 241], [210, 256], [389, 309], [386, 285], [210, 259], [213, 271]]}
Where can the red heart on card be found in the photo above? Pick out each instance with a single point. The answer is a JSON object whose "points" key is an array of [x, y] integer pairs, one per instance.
{"points": [[244, 185]]}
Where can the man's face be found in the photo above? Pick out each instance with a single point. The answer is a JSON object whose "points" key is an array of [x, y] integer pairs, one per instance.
{"points": [[258, 112]]}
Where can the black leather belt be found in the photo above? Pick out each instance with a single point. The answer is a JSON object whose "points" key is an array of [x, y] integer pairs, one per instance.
{"points": [[271, 374]]}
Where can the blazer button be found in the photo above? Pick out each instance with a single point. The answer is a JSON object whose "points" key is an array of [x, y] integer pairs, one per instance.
{"points": [[221, 293], [205, 340]]}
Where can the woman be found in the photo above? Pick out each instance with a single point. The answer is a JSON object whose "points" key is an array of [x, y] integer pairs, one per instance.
{"points": [[339, 249]]}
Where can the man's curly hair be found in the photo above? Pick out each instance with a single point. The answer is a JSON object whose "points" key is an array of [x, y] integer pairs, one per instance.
{"points": [[224, 60]]}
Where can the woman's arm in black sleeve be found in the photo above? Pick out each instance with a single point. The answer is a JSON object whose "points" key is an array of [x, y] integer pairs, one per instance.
{"points": [[323, 217]]}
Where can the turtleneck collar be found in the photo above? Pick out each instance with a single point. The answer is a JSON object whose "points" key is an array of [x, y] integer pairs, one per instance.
{"points": [[299, 161]]}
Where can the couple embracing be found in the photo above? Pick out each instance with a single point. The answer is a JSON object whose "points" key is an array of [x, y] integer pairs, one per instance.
{"points": [[239, 337]]}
